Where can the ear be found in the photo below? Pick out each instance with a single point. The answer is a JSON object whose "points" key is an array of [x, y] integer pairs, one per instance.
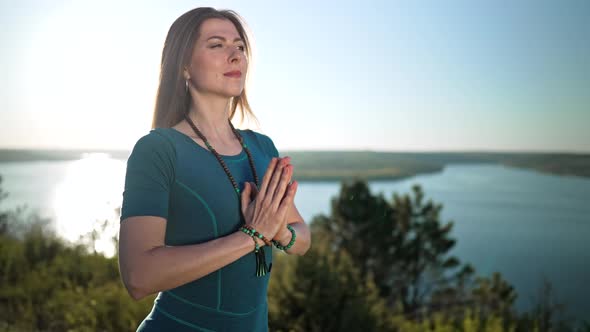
{"points": [[186, 74]]}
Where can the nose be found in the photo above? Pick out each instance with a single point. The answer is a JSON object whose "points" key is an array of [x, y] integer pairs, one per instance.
{"points": [[236, 56]]}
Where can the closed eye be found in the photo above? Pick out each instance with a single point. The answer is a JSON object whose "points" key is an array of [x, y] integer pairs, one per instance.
{"points": [[240, 47]]}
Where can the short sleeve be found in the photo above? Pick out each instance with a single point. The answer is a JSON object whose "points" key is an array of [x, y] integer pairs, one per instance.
{"points": [[266, 143], [271, 146], [149, 177]]}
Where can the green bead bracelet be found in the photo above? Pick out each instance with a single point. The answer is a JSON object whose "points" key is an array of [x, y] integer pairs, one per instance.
{"points": [[291, 243], [250, 233], [261, 268]]}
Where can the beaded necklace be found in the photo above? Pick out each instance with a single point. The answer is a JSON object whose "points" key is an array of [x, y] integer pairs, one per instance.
{"points": [[218, 157], [261, 268]]}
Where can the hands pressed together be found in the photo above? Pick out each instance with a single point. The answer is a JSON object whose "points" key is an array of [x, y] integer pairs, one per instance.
{"points": [[266, 209]]}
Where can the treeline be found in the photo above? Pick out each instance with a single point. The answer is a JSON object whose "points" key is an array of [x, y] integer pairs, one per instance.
{"points": [[48, 285], [26, 155], [369, 165], [379, 265], [374, 266]]}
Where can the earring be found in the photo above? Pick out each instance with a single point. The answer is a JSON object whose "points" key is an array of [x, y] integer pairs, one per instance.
{"points": [[186, 85]]}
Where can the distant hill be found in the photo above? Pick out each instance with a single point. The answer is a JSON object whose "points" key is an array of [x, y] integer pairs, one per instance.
{"points": [[339, 165], [53, 155], [332, 165]]}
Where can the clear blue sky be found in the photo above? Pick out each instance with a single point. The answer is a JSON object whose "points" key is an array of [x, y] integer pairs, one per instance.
{"points": [[376, 75]]}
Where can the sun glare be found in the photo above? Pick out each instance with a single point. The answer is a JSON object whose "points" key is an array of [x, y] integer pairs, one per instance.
{"points": [[86, 202], [78, 70]]}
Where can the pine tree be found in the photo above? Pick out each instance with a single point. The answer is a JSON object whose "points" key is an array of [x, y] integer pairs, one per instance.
{"points": [[402, 245]]}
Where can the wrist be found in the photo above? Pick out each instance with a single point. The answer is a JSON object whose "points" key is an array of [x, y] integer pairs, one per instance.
{"points": [[284, 236], [259, 241], [249, 239], [257, 236], [261, 268], [292, 237]]}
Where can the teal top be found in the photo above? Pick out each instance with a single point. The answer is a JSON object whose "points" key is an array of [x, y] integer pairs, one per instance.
{"points": [[171, 176]]}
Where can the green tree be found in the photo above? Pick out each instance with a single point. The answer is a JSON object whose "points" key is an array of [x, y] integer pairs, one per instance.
{"points": [[402, 245], [342, 284], [49, 285], [324, 291], [3, 214]]}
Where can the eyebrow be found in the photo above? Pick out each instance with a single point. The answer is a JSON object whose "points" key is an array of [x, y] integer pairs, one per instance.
{"points": [[223, 38]]}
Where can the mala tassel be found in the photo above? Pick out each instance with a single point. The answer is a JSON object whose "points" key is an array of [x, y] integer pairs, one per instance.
{"points": [[261, 268]]}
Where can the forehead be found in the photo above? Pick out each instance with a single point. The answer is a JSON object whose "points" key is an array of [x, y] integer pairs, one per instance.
{"points": [[218, 27]]}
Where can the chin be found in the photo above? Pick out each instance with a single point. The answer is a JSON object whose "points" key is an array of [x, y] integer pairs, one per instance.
{"points": [[228, 91], [233, 93]]}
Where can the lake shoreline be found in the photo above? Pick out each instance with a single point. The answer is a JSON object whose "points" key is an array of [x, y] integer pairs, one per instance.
{"points": [[338, 166], [503, 217]]}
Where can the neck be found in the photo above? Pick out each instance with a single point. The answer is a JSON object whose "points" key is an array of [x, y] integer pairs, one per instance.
{"points": [[210, 114]]}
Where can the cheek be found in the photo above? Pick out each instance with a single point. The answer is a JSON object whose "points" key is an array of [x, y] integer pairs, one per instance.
{"points": [[205, 69]]}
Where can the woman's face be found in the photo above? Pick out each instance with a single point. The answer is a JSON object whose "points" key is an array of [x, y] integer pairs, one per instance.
{"points": [[218, 63]]}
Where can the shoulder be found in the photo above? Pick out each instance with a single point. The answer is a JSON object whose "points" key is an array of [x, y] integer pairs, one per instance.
{"points": [[264, 141], [155, 147], [157, 140], [256, 135]]}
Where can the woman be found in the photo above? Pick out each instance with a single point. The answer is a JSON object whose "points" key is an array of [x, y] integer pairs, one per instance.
{"points": [[205, 204]]}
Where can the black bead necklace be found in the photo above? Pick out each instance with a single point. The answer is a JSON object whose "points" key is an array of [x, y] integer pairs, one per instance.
{"points": [[218, 157], [261, 268]]}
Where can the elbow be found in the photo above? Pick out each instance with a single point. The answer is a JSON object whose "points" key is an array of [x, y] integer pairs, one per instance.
{"points": [[302, 250], [135, 277], [307, 244], [135, 285], [136, 293], [305, 248]]}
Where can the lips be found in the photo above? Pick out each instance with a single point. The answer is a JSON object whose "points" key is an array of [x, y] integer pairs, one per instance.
{"points": [[235, 73]]}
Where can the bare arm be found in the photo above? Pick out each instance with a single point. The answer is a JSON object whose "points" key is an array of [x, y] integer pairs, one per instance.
{"points": [[303, 238], [148, 266]]}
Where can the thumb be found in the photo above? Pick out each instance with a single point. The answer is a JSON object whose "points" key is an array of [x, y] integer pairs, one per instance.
{"points": [[246, 196], [252, 185]]}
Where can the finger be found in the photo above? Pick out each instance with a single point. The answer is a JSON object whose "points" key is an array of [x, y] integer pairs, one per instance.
{"points": [[288, 159], [268, 174], [289, 198], [274, 181], [288, 162], [245, 198], [282, 186]]}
